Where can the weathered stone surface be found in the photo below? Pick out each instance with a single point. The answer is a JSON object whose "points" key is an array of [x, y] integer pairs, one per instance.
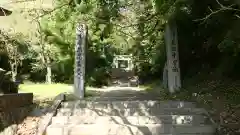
{"points": [[13, 109], [114, 114], [119, 129], [129, 111], [129, 104], [12, 117], [51, 112], [9, 101], [133, 120], [10, 130]]}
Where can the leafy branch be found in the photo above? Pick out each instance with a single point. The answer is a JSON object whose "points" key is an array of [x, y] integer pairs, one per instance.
{"points": [[222, 9]]}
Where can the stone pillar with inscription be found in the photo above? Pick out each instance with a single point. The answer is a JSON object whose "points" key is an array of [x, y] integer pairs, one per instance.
{"points": [[165, 76], [173, 69], [80, 60]]}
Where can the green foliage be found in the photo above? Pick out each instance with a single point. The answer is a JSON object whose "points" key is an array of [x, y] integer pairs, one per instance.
{"points": [[207, 35], [15, 49], [60, 31], [111, 31]]}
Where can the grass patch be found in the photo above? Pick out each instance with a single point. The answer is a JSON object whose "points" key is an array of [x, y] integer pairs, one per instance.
{"points": [[44, 94], [43, 91], [49, 91]]}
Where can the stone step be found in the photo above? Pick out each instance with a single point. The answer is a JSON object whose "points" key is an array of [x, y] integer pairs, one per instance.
{"points": [[141, 97], [128, 104], [119, 129], [133, 120], [129, 111]]}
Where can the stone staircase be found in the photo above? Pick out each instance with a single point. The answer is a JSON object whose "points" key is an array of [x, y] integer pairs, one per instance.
{"points": [[136, 117]]}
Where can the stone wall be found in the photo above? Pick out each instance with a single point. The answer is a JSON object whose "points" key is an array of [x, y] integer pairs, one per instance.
{"points": [[11, 101], [13, 109]]}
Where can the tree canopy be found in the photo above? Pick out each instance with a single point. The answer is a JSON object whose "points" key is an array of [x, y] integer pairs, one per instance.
{"points": [[207, 34]]}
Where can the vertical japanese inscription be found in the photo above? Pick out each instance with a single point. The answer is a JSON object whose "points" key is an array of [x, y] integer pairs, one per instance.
{"points": [[174, 51], [79, 72]]}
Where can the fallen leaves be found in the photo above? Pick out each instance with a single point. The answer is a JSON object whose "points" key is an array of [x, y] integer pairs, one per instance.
{"points": [[29, 126], [221, 99]]}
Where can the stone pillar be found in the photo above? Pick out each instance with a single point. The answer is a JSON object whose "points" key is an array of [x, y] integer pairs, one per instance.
{"points": [[165, 76], [80, 57], [174, 81]]}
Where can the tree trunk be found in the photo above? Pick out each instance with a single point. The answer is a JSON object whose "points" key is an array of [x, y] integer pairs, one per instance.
{"points": [[49, 72], [13, 71], [49, 75]]}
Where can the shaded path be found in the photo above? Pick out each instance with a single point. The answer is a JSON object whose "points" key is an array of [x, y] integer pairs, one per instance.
{"points": [[126, 93]]}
